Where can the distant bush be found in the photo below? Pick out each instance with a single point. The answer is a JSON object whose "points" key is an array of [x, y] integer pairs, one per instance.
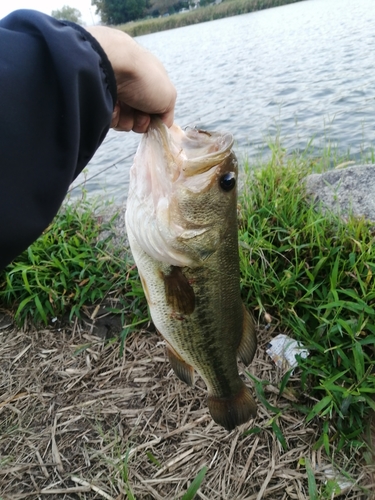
{"points": [[227, 8]]}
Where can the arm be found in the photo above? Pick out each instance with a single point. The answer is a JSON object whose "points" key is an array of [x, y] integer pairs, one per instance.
{"points": [[59, 96]]}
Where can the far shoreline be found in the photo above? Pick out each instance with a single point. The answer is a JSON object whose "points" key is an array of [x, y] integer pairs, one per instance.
{"points": [[227, 8]]}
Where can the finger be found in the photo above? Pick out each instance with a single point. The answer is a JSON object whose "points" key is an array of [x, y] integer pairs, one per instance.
{"points": [[141, 122], [126, 118], [168, 115], [115, 116], [168, 118]]}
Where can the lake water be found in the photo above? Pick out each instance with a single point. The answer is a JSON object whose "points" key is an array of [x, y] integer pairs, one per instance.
{"points": [[306, 69]]}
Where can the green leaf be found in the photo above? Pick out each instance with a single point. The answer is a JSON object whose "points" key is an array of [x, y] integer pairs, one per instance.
{"points": [[253, 430], [23, 304], [284, 381], [329, 382], [152, 459], [350, 306], [334, 273], [195, 485], [370, 401], [359, 361], [40, 309], [347, 327], [326, 443], [81, 348], [260, 393], [313, 492], [326, 401], [26, 281], [280, 436]]}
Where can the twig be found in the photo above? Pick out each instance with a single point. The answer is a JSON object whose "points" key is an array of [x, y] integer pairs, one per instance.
{"points": [[55, 450], [175, 460], [149, 488], [21, 354], [268, 478], [92, 486], [20, 395], [75, 489], [42, 465]]}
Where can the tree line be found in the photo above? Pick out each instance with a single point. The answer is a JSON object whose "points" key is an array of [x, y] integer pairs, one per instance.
{"points": [[114, 12], [123, 11]]}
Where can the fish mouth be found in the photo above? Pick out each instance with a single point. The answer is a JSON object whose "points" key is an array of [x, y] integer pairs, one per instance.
{"points": [[191, 151]]}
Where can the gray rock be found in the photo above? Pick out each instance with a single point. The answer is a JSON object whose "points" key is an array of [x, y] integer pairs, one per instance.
{"points": [[345, 191]]}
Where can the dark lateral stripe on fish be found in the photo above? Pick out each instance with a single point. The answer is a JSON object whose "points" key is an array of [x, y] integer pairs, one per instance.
{"points": [[248, 346], [234, 411], [178, 291], [184, 371]]}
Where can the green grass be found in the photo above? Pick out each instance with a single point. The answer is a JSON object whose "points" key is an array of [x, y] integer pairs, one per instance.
{"points": [[227, 8], [74, 264], [314, 274], [195, 485]]}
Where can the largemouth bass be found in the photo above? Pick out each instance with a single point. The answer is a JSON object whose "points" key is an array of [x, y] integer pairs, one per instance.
{"points": [[181, 221]]}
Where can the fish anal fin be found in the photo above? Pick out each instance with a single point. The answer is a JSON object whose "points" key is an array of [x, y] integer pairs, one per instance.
{"points": [[248, 345], [178, 291], [233, 411], [183, 370]]}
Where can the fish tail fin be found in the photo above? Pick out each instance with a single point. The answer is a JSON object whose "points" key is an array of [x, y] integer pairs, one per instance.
{"points": [[248, 345], [183, 370], [233, 411]]}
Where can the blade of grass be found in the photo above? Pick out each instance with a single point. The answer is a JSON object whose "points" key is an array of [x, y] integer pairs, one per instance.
{"points": [[195, 485]]}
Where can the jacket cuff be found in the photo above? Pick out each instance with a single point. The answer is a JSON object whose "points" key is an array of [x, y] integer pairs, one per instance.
{"points": [[105, 63]]}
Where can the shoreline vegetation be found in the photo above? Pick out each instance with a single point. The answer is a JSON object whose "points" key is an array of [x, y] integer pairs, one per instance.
{"points": [[312, 273], [227, 8]]}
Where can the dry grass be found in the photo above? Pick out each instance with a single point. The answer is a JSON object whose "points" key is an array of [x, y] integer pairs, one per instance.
{"points": [[69, 415]]}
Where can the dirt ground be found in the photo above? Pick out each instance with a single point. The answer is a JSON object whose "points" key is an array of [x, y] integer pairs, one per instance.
{"points": [[78, 421]]}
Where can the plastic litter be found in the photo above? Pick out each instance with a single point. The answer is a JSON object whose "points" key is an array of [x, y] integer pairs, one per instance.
{"points": [[283, 351]]}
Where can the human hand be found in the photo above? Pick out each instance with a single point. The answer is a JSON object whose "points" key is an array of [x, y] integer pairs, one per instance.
{"points": [[143, 86]]}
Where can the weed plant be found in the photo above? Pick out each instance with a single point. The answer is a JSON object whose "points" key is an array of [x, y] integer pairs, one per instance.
{"points": [[313, 272], [227, 8], [74, 264]]}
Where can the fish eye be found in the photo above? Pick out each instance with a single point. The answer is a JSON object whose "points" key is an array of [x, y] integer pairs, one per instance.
{"points": [[228, 181]]}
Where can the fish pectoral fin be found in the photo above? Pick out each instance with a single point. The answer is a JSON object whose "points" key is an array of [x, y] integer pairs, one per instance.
{"points": [[248, 345], [184, 371], [232, 411], [178, 291]]}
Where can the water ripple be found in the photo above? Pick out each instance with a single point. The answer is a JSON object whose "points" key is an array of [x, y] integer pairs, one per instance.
{"points": [[305, 69]]}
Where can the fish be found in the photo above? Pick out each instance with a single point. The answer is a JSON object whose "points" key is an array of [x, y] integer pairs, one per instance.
{"points": [[181, 220]]}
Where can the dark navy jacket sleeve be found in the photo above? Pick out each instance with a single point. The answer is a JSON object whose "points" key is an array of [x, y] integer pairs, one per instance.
{"points": [[57, 94]]}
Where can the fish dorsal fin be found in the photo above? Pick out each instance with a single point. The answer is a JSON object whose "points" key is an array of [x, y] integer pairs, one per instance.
{"points": [[248, 345], [178, 291], [183, 371]]}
